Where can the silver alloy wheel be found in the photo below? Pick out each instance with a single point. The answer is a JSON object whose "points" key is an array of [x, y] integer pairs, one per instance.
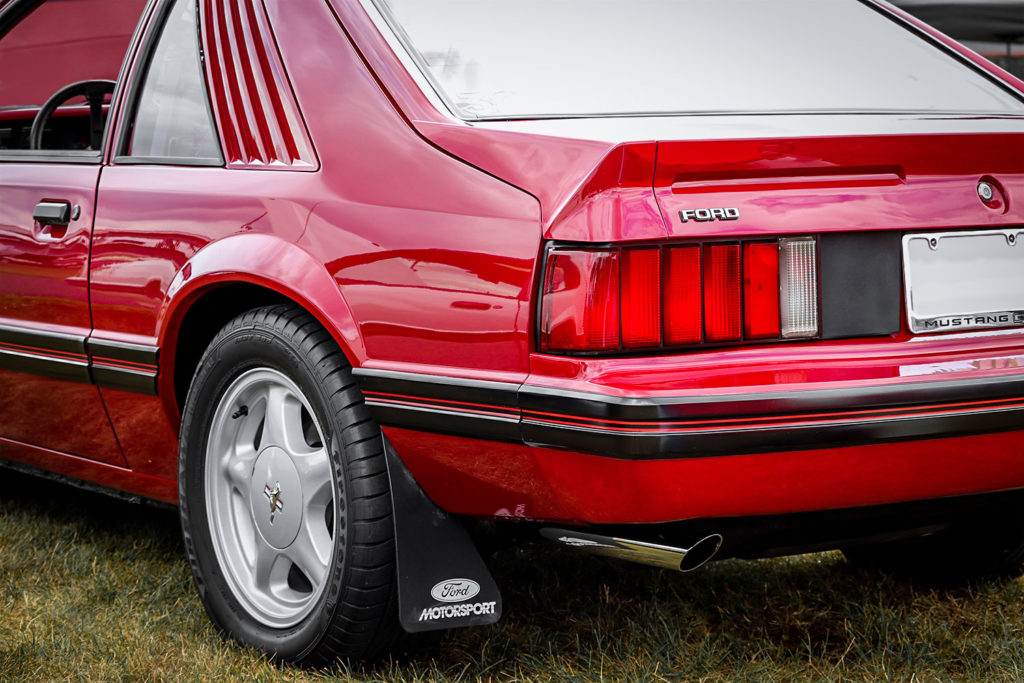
{"points": [[270, 497]]}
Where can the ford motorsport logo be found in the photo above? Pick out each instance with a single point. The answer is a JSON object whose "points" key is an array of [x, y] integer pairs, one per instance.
{"points": [[706, 215], [968, 322], [456, 591], [456, 611]]}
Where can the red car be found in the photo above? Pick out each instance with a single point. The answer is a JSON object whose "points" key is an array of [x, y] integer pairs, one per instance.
{"points": [[658, 280]]}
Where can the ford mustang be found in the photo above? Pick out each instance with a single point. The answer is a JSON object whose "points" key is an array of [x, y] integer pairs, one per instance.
{"points": [[658, 280]]}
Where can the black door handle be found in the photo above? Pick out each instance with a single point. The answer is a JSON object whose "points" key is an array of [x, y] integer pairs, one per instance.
{"points": [[53, 213]]}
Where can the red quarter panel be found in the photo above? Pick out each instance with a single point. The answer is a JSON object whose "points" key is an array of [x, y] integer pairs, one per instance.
{"points": [[428, 253]]}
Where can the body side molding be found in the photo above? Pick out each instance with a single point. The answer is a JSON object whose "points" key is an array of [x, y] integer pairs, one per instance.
{"points": [[129, 367], [76, 358], [48, 354], [618, 427]]}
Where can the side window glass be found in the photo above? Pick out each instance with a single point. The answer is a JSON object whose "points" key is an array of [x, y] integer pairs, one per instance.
{"points": [[173, 119], [53, 45]]}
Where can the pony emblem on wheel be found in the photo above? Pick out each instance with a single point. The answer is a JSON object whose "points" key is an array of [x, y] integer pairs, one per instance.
{"points": [[274, 496]]}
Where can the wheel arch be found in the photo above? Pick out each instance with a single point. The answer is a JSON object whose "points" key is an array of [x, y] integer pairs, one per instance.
{"points": [[229, 277]]}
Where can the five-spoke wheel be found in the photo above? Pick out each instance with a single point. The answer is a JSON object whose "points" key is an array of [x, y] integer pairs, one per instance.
{"points": [[271, 497]]}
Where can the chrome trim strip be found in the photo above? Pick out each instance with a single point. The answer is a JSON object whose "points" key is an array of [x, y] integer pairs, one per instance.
{"points": [[698, 127]]}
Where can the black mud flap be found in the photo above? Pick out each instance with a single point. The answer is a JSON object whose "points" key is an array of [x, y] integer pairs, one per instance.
{"points": [[442, 581]]}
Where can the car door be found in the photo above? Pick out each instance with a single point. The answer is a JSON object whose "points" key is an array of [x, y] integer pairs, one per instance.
{"points": [[47, 203]]}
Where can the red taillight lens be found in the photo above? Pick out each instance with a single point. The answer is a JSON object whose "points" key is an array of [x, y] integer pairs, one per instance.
{"points": [[581, 301], [723, 320], [684, 310], [761, 290], [641, 298], [625, 298]]}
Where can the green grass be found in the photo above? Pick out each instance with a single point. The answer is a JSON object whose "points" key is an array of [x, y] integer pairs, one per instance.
{"points": [[97, 589]]}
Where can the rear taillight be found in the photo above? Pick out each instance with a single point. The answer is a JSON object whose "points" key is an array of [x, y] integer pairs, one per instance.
{"points": [[582, 291], [723, 301], [641, 298], [634, 298], [798, 287], [761, 293], [682, 296]]}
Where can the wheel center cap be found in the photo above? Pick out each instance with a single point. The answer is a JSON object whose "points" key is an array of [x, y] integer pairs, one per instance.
{"points": [[275, 495]]}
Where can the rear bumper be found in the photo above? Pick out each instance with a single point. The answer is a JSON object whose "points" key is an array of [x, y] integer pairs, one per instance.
{"points": [[707, 426], [690, 426], [493, 449], [494, 479]]}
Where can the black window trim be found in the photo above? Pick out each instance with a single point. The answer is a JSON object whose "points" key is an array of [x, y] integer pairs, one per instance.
{"points": [[120, 156], [9, 17]]}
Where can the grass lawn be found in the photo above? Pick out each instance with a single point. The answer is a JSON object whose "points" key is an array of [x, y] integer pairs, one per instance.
{"points": [[93, 588]]}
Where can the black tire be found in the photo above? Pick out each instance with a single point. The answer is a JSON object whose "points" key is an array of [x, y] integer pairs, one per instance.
{"points": [[989, 550], [355, 617]]}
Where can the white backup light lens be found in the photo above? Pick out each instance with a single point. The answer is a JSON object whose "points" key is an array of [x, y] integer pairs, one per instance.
{"points": [[798, 283]]}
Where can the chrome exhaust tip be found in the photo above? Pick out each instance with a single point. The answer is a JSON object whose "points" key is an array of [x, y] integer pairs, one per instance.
{"points": [[663, 556]]}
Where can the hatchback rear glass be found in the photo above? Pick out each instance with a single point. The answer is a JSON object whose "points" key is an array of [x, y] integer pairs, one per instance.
{"points": [[495, 59]]}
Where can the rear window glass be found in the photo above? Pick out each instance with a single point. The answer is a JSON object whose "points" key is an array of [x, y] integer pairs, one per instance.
{"points": [[525, 58]]}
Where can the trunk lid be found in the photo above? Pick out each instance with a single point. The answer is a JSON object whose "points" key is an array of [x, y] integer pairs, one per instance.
{"points": [[826, 184], [619, 179]]}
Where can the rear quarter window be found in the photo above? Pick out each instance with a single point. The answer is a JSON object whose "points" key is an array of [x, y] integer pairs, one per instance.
{"points": [[172, 118]]}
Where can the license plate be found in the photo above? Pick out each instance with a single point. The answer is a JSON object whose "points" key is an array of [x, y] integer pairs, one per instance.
{"points": [[964, 280]]}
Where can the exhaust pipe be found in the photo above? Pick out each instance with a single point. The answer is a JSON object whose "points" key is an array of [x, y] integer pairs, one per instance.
{"points": [[663, 556]]}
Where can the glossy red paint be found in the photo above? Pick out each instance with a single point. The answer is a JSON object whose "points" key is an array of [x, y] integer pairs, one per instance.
{"points": [[49, 265], [462, 245], [37, 411], [416, 240], [840, 183], [148, 439], [50, 262]]}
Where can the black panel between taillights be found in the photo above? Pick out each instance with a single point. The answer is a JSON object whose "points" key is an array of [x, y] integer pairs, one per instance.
{"points": [[861, 277]]}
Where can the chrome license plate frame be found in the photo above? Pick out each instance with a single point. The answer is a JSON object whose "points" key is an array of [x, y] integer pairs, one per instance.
{"points": [[969, 280]]}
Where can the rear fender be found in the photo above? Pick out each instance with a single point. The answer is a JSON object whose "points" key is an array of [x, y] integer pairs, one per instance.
{"points": [[265, 261]]}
